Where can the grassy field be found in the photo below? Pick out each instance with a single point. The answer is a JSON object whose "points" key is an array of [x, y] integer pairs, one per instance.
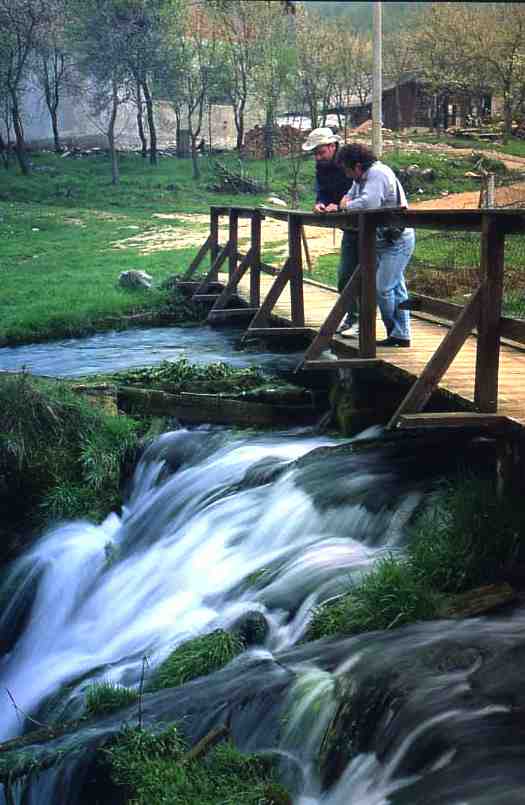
{"points": [[59, 228]]}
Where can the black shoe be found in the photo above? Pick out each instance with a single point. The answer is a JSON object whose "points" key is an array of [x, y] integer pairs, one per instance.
{"points": [[391, 341]]}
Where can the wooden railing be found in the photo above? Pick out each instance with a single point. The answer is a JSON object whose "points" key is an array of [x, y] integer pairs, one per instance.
{"points": [[482, 312]]}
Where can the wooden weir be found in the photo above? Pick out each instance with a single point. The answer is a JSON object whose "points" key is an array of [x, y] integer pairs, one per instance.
{"points": [[455, 347]]}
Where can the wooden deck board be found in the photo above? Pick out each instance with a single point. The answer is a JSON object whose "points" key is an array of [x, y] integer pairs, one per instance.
{"points": [[426, 336]]}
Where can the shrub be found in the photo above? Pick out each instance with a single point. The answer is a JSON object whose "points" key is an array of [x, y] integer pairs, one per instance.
{"points": [[197, 657]]}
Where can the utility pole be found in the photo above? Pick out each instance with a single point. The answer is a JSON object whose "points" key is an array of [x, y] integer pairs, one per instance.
{"points": [[377, 83]]}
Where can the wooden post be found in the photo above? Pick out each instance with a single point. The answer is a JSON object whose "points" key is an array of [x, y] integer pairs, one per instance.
{"points": [[295, 227], [214, 235], [487, 355], [234, 241], [255, 271], [367, 307]]}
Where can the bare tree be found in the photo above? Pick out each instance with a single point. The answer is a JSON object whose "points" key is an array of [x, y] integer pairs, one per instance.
{"points": [[316, 67], [353, 77], [20, 25], [51, 61]]}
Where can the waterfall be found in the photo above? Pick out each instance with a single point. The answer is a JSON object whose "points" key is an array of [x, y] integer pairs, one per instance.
{"points": [[207, 512]]}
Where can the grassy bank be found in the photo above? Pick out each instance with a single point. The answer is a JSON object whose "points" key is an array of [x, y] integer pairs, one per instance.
{"points": [[67, 232]]}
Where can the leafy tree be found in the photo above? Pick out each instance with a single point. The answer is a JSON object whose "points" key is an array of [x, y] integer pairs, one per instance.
{"points": [[103, 75], [399, 61]]}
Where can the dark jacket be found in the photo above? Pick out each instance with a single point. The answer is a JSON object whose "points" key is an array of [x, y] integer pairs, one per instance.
{"points": [[331, 183]]}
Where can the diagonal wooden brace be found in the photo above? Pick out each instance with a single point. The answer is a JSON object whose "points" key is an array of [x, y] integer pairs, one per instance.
{"points": [[236, 277], [197, 260], [214, 270], [428, 380], [332, 321]]}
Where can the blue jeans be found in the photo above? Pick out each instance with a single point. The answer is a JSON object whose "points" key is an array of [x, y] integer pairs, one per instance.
{"points": [[392, 260]]}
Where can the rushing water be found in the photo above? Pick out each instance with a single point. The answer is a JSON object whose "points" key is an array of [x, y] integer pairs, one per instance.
{"points": [[118, 350], [448, 726]]}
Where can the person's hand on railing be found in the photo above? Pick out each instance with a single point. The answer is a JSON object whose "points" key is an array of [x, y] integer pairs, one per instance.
{"points": [[326, 208], [344, 203]]}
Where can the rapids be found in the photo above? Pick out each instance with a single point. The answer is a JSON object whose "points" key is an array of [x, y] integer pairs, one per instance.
{"points": [[207, 510]]}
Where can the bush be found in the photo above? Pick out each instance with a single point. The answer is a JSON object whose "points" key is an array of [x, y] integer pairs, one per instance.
{"points": [[106, 697], [197, 657]]}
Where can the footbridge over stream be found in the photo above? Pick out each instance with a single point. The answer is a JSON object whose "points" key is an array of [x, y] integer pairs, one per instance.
{"points": [[470, 350]]}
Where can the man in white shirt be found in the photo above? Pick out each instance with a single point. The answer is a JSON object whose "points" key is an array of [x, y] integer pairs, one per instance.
{"points": [[375, 185]]}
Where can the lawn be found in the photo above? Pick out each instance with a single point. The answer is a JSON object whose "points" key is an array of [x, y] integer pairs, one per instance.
{"points": [[59, 228]]}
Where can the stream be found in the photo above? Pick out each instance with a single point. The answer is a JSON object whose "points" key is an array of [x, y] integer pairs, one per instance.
{"points": [[436, 709]]}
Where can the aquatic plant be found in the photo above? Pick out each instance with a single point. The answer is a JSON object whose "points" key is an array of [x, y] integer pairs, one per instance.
{"points": [[106, 697], [155, 769], [391, 594], [467, 536], [197, 657], [180, 375]]}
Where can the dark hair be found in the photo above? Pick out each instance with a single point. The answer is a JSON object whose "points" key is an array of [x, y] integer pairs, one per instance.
{"points": [[349, 155]]}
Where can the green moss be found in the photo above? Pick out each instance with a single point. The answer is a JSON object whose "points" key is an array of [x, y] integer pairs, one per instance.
{"points": [[154, 771], [197, 657], [106, 697]]}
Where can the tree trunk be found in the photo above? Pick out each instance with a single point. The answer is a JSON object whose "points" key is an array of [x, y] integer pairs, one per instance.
{"points": [[20, 145], [56, 133], [153, 158], [507, 115], [239, 123], [4, 152], [111, 137], [194, 157], [140, 122], [179, 129]]}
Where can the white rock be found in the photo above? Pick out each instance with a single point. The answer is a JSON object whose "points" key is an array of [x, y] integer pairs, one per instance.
{"points": [[135, 279]]}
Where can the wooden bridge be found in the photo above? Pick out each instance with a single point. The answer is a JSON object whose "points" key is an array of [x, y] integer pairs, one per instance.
{"points": [[472, 351]]}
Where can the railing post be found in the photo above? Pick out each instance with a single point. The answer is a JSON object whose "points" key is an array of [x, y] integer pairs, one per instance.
{"points": [[214, 236], [296, 264], [255, 270], [487, 355], [234, 241], [367, 306]]}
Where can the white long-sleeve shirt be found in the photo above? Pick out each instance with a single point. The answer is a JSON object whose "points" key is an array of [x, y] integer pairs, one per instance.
{"points": [[376, 188]]}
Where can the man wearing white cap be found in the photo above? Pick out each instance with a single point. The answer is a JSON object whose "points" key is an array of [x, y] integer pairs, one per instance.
{"points": [[331, 184]]}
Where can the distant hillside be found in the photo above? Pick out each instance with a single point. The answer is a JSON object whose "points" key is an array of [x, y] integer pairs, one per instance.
{"points": [[395, 15]]}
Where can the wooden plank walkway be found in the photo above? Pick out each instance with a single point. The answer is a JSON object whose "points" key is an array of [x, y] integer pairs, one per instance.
{"points": [[426, 337]]}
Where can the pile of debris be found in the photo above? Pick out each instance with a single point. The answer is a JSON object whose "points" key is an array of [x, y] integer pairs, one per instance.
{"points": [[228, 180], [281, 141]]}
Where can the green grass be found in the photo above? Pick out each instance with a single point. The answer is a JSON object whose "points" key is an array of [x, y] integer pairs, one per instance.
{"points": [[153, 771], [197, 657], [177, 376], [59, 265], [107, 697], [465, 537], [60, 457]]}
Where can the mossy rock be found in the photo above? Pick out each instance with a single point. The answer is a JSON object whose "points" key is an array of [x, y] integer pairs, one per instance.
{"points": [[197, 657]]}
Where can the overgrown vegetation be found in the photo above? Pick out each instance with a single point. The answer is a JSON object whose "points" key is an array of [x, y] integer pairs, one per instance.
{"points": [[60, 457], [180, 375], [153, 769], [107, 697], [466, 537], [197, 657]]}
